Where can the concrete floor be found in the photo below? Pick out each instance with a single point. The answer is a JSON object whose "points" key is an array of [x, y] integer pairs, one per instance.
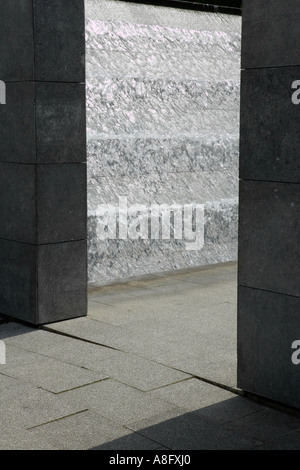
{"points": [[152, 367]]}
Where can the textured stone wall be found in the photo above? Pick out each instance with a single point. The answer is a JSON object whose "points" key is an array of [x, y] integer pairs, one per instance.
{"points": [[163, 128], [269, 204]]}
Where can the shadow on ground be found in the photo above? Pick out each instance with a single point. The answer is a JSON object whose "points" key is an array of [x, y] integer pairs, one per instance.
{"points": [[234, 424]]}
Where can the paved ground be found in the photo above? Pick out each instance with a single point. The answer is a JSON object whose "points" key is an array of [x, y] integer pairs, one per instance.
{"points": [[152, 366]]}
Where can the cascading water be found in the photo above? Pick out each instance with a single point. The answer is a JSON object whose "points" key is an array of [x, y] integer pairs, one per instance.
{"points": [[163, 128]]}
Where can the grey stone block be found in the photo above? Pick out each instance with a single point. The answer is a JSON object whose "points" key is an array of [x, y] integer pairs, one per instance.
{"points": [[59, 40], [61, 202], [16, 40], [60, 122], [43, 123], [17, 123], [49, 281], [17, 202], [43, 203], [268, 324], [62, 275], [270, 33], [42, 40], [18, 280], [270, 139], [269, 236]]}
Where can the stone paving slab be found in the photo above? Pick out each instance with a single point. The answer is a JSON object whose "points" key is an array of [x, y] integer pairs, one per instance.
{"points": [[265, 425], [85, 430], [16, 439], [24, 405], [134, 374], [47, 373], [141, 373], [193, 394], [190, 431], [118, 402]]}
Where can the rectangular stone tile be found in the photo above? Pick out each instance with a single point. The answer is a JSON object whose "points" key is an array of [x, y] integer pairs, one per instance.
{"points": [[43, 123], [268, 253], [15, 439], [17, 117], [289, 442], [101, 333], [207, 400], [270, 33], [192, 394], [217, 368], [60, 347], [62, 59], [225, 411], [40, 39], [14, 331], [133, 441], [18, 202], [189, 431], [16, 40], [61, 202], [18, 269], [265, 425], [118, 402], [140, 373], [39, 204], [24, 405], [84, 431], [60, 121], [57, 272], [269, 140], [50, 374], [267, 327], [62, 287]]}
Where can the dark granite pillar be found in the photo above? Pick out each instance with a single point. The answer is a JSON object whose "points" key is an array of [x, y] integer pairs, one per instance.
{"points": [[43, 254], [269, 223]]}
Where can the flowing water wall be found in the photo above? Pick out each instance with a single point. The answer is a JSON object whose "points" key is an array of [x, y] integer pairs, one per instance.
{"points": [[163, 90]]}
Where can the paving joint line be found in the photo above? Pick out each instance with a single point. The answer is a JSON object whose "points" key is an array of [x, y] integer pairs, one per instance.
{"points": [[57, 419]]}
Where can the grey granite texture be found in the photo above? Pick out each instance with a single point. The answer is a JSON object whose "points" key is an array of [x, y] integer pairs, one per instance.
{"points": [[40, 38], [39, 205], [268, 324], [43, 123], [270, 33], [269, 256], [43, 192], [270, 139], [49, 281], [162, 128]]}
